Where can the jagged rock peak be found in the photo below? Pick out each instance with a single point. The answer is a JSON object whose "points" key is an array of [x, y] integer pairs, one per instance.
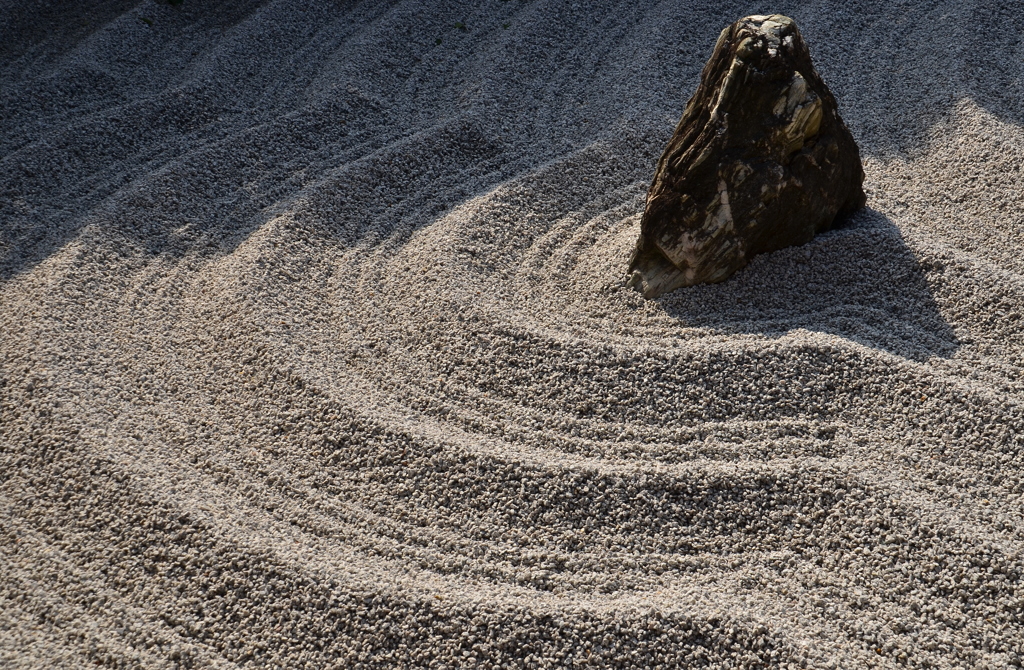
{"points": [[760, 160]]}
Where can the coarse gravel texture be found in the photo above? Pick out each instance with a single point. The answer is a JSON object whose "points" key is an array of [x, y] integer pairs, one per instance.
{"points": [[315, 351]]}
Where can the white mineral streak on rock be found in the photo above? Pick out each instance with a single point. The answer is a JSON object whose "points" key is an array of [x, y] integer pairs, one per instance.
{"points": [[740, 172], [733, 80], [772, 30], [803, 108], [720, 221]]}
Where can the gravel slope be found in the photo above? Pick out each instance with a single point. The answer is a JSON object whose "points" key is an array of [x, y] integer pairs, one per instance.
{"points": [[315, 352]]}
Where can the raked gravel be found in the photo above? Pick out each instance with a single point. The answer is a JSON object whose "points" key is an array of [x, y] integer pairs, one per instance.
{"points": [[314, 350]]}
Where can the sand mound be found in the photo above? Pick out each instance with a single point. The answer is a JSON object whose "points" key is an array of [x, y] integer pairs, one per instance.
{"points": [[315, 351]]}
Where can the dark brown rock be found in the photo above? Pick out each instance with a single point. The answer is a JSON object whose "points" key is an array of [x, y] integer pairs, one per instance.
{"points": [[759, 161]]}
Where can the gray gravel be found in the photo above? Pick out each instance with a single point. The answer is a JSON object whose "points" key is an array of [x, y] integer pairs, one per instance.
{"points": [[314, 350]]}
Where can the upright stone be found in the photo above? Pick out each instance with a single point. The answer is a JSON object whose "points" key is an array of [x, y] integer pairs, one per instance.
{"points": [[759, 161]]}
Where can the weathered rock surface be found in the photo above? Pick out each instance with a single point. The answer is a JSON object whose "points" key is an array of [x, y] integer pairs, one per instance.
{"points": [[760, 160]]}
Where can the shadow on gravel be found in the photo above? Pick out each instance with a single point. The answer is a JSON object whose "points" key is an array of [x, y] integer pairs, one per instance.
{"points": [[59, 24], [925, 57], [860, 282], [993, 74]]}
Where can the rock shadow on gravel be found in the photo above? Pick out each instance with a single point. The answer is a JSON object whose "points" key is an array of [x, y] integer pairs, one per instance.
{"points": [[859, 281]]}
